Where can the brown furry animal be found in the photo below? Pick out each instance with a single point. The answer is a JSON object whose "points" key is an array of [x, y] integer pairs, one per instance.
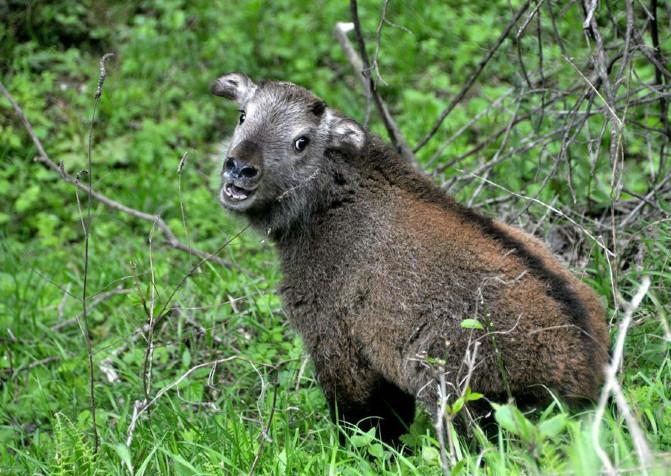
{"points": [[381, 267]]}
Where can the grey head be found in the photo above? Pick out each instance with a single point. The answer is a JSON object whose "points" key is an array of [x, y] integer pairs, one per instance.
{"points": [[277, 154]]}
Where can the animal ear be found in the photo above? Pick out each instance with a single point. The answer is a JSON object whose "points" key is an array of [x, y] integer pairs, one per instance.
{"points": [[234, 86], [318, 107], [344, 132]]}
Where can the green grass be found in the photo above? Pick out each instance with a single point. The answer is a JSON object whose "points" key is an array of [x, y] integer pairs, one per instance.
{"points": [[156, 107]]}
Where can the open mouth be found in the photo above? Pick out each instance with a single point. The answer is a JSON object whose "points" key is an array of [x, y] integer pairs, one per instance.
{"points": [[237, 194]]}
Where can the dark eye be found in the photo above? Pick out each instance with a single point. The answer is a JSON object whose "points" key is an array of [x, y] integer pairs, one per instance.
{"points": [[242, 116], [301, 143]]}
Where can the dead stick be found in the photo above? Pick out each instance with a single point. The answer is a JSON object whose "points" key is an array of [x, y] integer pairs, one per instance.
{"points": [[266, 430], [86, 227], [43, 157], [97, 299], [642, 448], [483, 62], [392, 129]]}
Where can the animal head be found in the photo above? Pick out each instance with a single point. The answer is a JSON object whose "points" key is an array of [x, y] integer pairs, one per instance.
{"points": [[278, 150]]}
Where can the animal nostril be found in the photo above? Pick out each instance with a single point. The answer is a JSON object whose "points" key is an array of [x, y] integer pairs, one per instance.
{"points": [[249, 171], [230, 164]]}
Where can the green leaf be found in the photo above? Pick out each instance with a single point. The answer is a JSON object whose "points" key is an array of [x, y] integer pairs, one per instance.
{"points": [[124, 454], [186, 358], [512, 420], [376, 450], [27, 199], [190, 435], [458, 467], [430, 454], [282, 462], [471, 324], [472, 396], [363, 439], [457, 406], [552, 427]]}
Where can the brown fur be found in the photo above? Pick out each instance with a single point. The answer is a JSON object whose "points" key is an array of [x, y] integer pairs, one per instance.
{"points": [[381, 269]]}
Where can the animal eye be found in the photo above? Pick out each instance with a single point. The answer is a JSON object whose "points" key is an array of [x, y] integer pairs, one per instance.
{"points": [[301, 143], [242, 116]]}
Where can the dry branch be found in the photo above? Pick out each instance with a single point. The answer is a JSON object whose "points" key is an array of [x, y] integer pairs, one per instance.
{"points": [[168, 234], [363, 67], [640, 443], [86, 227], [141, 407], [265, 433], [95, 300], [471, 80]]}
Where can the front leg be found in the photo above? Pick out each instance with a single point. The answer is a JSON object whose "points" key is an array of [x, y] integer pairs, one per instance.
{"points": [[359, 396]]}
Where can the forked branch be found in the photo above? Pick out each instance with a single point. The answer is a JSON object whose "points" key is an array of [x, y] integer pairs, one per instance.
{"points": [[471, 80], [156, 219], [395, 134]]}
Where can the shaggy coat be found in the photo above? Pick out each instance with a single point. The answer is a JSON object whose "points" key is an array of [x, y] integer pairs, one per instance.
{"points": [[381, 268]]}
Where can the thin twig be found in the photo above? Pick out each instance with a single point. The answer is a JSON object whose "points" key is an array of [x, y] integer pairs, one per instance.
{"points": [[106, 365], [471, 80], [440, 423], [551, 208], [661, 80], [265, 433], [94, 301], [642, 448], [162, 313], [151, 322], [590, 13], [608, 105], [141, 407], [108, 202], [191, 321], [182, 209], [496, 104], [378, 41], [86, 226], [61, 306], [32, 365], [394, 132]]}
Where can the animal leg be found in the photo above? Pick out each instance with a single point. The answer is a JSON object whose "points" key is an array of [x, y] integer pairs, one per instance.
{"points": [[363, 398]]}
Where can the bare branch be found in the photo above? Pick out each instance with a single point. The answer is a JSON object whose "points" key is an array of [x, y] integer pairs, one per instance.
{"points": [[378, 40], [265, 433], [590, 13], [86, 227], [642, 447], [471, 80], [43, 158], [97, 299], [394, 132]]}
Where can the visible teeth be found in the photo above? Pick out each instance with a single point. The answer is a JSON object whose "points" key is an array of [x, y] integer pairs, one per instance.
{"points": [[236, 193]]}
